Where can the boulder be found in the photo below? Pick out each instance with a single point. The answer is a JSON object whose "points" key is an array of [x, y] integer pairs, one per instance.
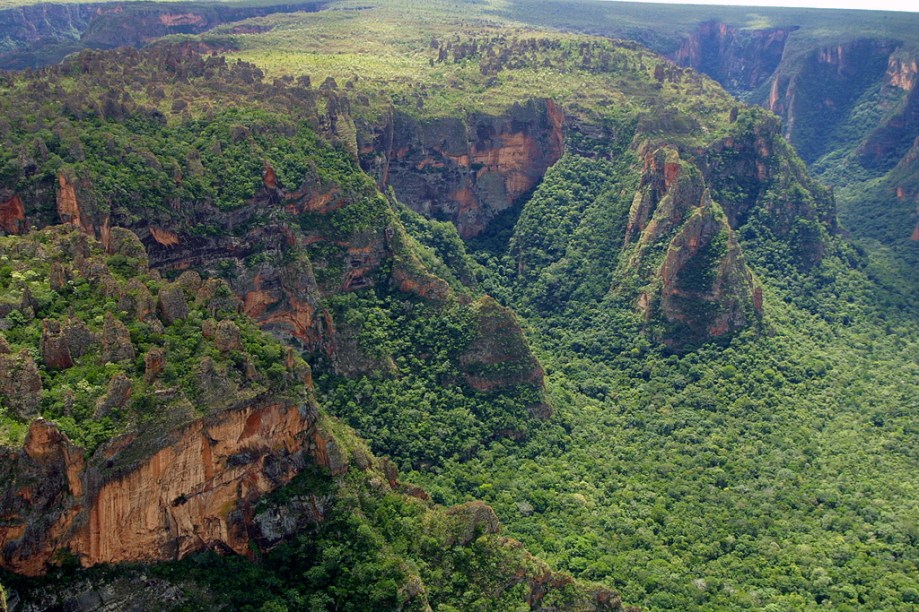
{"points": [[154, 362], [226, 337], [171, 304], [80, 339]]}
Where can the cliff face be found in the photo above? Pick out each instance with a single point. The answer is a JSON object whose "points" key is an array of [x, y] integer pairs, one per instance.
{"points": [[739, 59], [755, 176], [129, 504], [889, 143], [467, 170], [814, 95], [22, 26], [141, 24]]}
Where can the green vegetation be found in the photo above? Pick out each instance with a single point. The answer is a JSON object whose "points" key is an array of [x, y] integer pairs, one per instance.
{"points": [[384, 552], [90, 342], [772, 470], [416, 408]]}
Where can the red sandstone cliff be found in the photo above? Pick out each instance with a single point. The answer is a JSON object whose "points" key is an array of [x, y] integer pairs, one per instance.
{"points": [[139, 499], [467, 170]]}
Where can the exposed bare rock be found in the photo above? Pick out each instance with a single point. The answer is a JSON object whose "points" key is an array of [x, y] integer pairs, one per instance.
{"points": [[95, 270], [701, 289], [80, 339], [135, 299], [71, 208], [20, 384], [75, 246], [154, 362], [12, 213], [328, 454], [297, 369], [277, 523], [190, 281], [707, 290], [467, 171], [216, 296], [28, 305], [58, 276], [208, 328], [55, 352], [164, 237], [469, 521], [116, 341], [124, 242], [213, 385], [741, 59], [226, 337], [47, 477], [189, 491], [171, 304], [117, 395]]}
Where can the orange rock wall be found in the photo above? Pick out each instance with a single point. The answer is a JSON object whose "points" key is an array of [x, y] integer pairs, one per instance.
{"points": [[178, 500]]}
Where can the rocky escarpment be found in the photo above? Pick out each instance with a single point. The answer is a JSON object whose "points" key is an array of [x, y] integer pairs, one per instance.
{"points": [[168, 421], [700, 288], [302, 237], [25, 25], [739, 59], [467, 170], [889, 143], [137, 24]]}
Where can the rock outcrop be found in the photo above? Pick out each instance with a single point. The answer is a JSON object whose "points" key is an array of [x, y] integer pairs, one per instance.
{"points": [[498, 356], [171, 304], [468, 170], [191, 446], [20, 383], [12, 213], [754, 175], [814, 92], [148, 500], [55, 351], [701, 288], [117, 395], [707, 291], [890, 142], [116, 341]]}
